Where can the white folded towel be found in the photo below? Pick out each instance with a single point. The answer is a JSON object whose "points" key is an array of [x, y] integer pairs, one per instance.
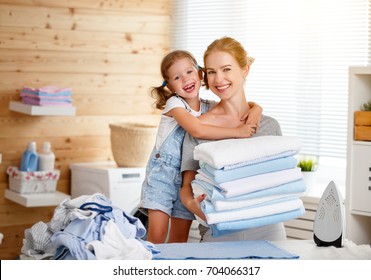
{"points": [[260, 182], [223, 205], [254, 183], [249, 212], [232, 153]]}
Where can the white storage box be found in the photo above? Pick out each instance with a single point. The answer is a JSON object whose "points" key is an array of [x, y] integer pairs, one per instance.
{"points": [[32, 182], [120, 184]]}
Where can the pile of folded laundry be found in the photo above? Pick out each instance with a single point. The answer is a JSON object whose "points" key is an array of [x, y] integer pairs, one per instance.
{"points": [[46, 96], [249, 182]]}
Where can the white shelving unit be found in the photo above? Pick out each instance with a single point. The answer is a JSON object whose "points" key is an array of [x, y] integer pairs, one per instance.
{"points": [[36, 199], [41, 110], [358, 183], [39, 199]]}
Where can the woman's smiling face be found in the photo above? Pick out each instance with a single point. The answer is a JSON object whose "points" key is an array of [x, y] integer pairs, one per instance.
{"points": [[225, 76]]}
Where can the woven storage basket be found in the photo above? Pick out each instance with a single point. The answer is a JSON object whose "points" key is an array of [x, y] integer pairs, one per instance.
{"points": [[32, 182], [132, 143]]}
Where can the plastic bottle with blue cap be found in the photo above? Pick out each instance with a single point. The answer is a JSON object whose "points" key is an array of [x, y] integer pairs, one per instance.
{"points": [[30, 158]]}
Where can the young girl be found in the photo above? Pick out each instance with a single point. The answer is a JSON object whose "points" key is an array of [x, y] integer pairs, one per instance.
{"points": [[181, 106]]}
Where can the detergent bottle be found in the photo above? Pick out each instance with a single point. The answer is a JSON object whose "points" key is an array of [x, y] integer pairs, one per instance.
{"points": [[46, 158], [30, 158]]}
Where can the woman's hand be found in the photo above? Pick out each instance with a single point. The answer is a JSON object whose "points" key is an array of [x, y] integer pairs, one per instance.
{"points": [[193, 204]]}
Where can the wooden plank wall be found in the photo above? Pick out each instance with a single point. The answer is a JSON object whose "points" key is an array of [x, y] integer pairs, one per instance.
{"points": [[107, 51]]}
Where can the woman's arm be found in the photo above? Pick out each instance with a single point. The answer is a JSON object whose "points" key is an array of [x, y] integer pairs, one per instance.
{"points": [[187, 197], [204, 131]]}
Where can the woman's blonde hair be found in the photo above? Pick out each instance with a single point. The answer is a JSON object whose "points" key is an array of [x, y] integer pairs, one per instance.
{"points": [[231, 46], [161, 93]]}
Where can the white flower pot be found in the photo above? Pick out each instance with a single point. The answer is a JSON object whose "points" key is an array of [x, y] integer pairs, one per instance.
{"points": [[310, 179]]}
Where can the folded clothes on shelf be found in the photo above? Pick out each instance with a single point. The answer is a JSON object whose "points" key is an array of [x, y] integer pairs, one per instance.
{"points": [[46, 96]]}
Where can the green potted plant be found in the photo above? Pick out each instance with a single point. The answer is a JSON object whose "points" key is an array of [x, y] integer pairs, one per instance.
{"points": [[308, 165], [366, 106]]}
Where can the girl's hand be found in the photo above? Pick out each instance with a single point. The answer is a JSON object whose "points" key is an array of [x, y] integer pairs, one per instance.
{"points": [[254, 115], [247, 130]]}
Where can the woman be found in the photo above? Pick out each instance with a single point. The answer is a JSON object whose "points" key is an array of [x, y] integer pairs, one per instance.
{"points": [[227, 65]]}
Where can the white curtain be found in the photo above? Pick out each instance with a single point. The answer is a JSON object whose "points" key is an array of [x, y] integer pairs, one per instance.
{"points": [[302, 51]]}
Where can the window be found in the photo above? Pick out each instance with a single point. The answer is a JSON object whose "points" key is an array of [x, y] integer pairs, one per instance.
{"points": [[303, 49]]}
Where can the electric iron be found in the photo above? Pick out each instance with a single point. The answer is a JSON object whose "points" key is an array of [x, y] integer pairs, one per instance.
{"points": [[329, 222]]}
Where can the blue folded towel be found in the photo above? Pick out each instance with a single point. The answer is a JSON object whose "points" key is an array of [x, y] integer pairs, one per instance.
{"points": [[221, 229], [249, 249], [214, 194], [221, 175]]}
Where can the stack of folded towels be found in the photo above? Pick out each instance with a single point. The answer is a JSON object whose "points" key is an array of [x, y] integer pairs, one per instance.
{"points": [[249, 182], [47, 96]]}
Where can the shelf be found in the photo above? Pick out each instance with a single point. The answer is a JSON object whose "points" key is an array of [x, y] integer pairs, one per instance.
{"points": [[360, 70], [361, 213], [362, 143], [35, 110], [36, 199], [310, 199], [358, 195]]}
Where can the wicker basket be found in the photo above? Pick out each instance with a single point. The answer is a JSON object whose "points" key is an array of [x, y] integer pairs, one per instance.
{"points": [[32, 182], [132, 143]]}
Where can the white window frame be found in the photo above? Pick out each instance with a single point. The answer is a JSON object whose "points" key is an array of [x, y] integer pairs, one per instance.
{"points": [[303, 49]]}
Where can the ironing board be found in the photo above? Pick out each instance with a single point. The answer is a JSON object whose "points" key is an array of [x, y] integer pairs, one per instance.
{"points": [[257, 249], [287, 249]]}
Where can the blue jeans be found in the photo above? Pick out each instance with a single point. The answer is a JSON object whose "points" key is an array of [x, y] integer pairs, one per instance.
{"points": [[161, 187]]}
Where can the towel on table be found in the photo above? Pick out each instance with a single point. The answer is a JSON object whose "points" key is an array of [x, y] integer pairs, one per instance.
{"points": [[264, 209], [221, 175], [233, 153]]}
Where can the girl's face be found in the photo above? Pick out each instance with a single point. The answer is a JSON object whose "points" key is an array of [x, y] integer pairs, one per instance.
{"points": [[184, 79], [224, 74]]}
